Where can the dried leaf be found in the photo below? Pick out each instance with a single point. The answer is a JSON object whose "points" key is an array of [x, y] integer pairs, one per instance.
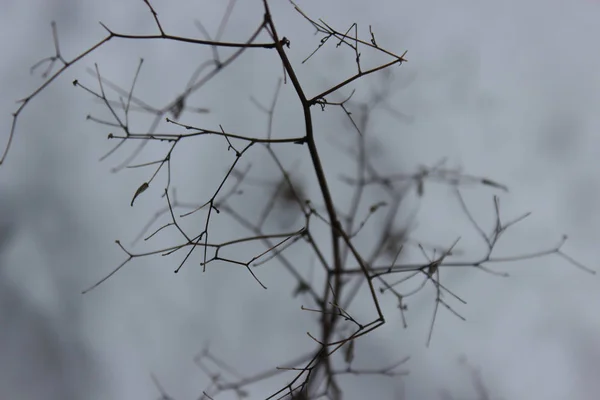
{"points": [[178, 107], [140, 190], [497, 185], [420, 187], [376, 206], [433, 267], [301, 288], [349, 356]]}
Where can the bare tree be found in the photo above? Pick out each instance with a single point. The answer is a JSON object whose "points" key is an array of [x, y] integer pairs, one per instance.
{"points": [[354, 241]]}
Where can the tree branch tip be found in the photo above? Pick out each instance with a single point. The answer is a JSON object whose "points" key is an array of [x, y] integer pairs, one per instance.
{"points": [[105, 27]]}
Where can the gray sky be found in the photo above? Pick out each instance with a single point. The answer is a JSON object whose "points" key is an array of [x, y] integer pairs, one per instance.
{"points": [[507, 90]]}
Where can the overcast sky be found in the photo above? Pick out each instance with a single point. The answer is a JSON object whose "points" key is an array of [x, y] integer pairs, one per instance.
{"points": [[508, 90]]}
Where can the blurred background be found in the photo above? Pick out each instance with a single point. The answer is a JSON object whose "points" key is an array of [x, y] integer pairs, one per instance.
{"points": [[507, 90]]}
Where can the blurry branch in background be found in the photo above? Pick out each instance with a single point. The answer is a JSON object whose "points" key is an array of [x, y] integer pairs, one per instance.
{"points": [[365, 255], [481, 390]]}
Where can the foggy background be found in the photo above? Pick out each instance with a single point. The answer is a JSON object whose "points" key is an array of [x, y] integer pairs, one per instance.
{"points": [[508, 90]]}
